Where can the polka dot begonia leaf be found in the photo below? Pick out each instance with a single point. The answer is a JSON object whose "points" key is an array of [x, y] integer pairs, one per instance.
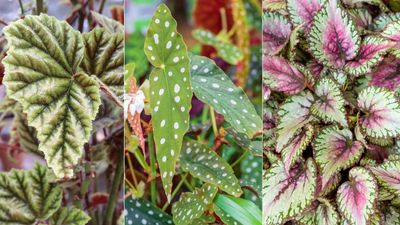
{"points": [[42, 74], [251, 168], [241, 211], [192, 205], [104, 57], [170, 90], [226, 50], [212, 86], [142, 212], [253, 145], [208, 166]]}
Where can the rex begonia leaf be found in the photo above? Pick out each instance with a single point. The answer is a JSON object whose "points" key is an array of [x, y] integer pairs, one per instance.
{"points": [[282, 76], [392, 216], [329, 105], [370, 54], [276, 32], [27, 196], [324, 214], [41, 72], [380, 22], [287, 194], [226, 50], [104, 57], [170, 88], [208, 166], [387, 74], [333, 38], [141, 211], [295, 148], [382, 112], [192, 205], [392, 31], [335, 150], [328, 184], [356, 198], [212, 86], [293, 115], [70, 216], [302, 12], [388, 175]]}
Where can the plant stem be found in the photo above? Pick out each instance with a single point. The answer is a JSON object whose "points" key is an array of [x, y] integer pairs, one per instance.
{"points": [[39, 7], [240, 158], [102, 3], [214, 122], [107, 90], [153, 172], [131, 170], [21, 6], [188, 185], [204, 118], [113, 196], [183, 178]]}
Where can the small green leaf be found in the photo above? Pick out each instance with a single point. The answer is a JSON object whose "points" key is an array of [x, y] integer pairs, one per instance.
{"points": [[170, 88], [208, 166], [27, 196], [41, 73], [70, 216], [141, 211], [109, 24], [329, 105], [212, 86], [191, 206], [241, 210], [104, 57], [226, 50]]}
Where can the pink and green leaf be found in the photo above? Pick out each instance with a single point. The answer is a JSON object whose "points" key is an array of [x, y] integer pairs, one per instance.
{"points": [[276, 33], [293, 115], [392, 31], [170, 88], [280, 75], [370, 54], [387, 75], [292, 152], [356, 198], [382, 112], [324, 214], [287, 194], [329, 105], [302, 12], [383, 20], [336, 150], [333, 38], [388, 176]]}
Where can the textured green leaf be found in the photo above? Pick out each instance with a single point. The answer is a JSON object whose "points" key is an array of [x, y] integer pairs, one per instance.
{"points": [[27, 196], [208, 166], [26, 134], [381, 21], [212, 86], [109, 24], [251, 175], [293, 151], [241, 210], [171, 94], [70, 216], [293, 115], [382, 112], [226, 50], [335, 150], [329, 105], [192, 205], [392, 31], [7, 104], [388, 176], [41, 72], [392, 216], [104, 57], [324, 214], [254, 145], [356, 197], [286, 194], [141, 211]]}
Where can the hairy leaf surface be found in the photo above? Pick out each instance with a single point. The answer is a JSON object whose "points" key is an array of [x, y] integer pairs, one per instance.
{"points": [[27, 196], [170, 88], [212, 86], [104, 57], [282, 76], [208, 166], [226, 50], [286, 194], [333, 38], [276, 33], [382, 112], [330, 104], [41, 70], [356, 197]]}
